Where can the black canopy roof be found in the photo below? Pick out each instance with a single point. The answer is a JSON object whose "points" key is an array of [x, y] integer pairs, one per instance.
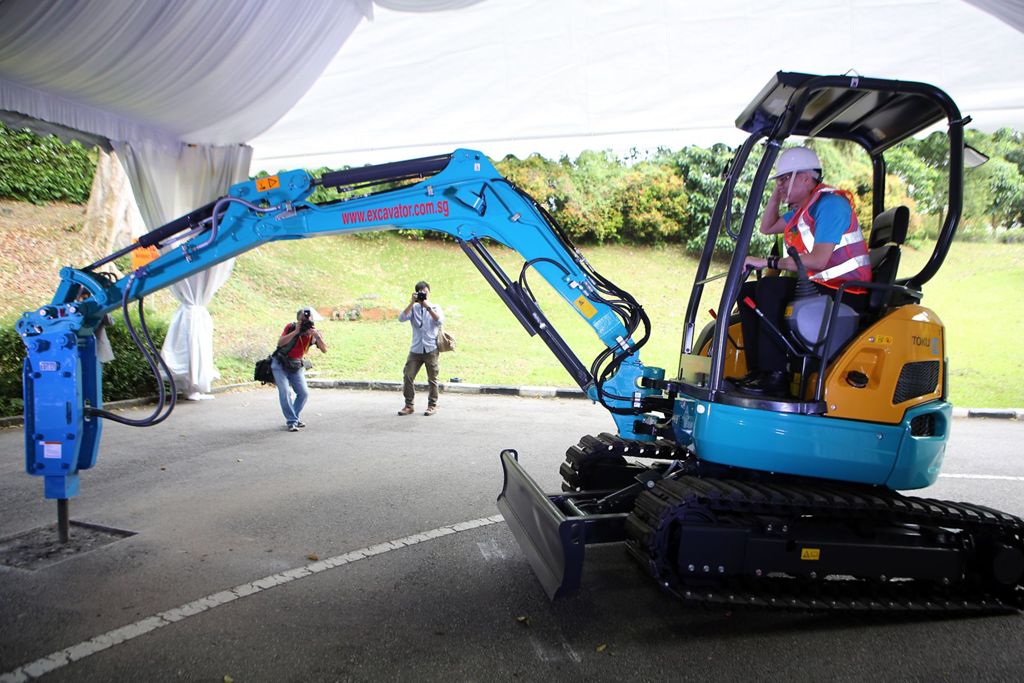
{"points": [[876, 113]]}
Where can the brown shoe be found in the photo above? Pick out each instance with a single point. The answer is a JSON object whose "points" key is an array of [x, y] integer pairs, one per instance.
{"points": [[408, 410], [430, 410]]}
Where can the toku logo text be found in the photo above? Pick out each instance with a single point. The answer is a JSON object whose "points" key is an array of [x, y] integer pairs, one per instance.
{"points": [[931, 342]]}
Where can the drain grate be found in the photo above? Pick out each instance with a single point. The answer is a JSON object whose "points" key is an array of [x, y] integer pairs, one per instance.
{"points": [[41, 547]]}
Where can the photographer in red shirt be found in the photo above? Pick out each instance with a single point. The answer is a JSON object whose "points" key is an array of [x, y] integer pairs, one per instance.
{"points": [[289, 367]]}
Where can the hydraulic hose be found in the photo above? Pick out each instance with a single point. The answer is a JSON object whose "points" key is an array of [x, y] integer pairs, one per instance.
{"points": [[148, 350], [627, 308]]}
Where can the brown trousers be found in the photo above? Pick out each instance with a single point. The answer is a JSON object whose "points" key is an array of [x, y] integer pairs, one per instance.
{"points": [[412, 368]]}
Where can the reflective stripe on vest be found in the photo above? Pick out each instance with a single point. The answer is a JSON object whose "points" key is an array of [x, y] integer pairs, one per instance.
{"points": [[849, 259]]}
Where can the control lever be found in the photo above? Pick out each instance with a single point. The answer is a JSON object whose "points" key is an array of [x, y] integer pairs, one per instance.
{"points": [[771, 326], [804, 286]]}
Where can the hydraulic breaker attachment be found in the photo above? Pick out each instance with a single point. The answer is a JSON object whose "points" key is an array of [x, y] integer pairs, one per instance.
{"points": [[552, 529]]}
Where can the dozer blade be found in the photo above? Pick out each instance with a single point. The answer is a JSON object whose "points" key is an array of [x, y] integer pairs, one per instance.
{"points": [[553, 543]]}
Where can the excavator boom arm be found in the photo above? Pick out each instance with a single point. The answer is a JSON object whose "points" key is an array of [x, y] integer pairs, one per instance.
{"points": [[464, 196]]}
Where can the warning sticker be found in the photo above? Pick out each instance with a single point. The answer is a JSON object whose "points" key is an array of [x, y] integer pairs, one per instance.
{"points": [[268, 183], [810, 553], [51, 449], [586, 308]]}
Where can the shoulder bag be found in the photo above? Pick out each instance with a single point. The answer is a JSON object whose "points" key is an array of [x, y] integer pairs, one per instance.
{"points": [[264, 372], [445, 341]]}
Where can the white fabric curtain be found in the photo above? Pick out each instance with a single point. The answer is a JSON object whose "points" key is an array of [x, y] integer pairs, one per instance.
{"points": [[154, 76], [1010, 11], [169, 183], [424, 5], [524, 76], [167, 70]]}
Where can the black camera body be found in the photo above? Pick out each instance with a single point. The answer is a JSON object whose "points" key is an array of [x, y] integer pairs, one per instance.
{"points": [[306, 325], [421, 296]]}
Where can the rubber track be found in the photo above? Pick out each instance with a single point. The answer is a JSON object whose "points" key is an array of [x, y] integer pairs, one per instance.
{"points": [[669, 500], [598, 462]]}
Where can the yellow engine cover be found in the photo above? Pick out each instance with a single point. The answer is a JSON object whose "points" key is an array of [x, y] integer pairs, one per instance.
{"points": [[900, 360], [735, 360]]}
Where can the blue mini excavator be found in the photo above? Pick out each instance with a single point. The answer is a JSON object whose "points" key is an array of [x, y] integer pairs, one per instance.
{"points": [[723, 496]]}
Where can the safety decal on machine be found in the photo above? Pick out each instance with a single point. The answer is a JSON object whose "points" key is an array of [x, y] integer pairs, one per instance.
{"points": [[810, 553], [269, 183], [51, 449], [585, 307]]}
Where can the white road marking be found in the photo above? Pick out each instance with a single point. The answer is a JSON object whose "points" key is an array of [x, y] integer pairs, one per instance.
{"points": [[552, 652], [61, 658], [491, 550], [995, 477]]}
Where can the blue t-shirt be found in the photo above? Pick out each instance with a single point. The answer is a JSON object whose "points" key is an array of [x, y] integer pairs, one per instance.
{"points": [[831, 214]]}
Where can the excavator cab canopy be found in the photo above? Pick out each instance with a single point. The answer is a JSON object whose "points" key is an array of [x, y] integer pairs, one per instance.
{"points": [[846, 108], [871, 112]]}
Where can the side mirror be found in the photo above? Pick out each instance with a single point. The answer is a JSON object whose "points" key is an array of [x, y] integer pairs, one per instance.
{"points": [[973, 158]]}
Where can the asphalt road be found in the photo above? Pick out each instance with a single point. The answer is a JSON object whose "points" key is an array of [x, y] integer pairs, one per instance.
{"points": [[221, 497]]}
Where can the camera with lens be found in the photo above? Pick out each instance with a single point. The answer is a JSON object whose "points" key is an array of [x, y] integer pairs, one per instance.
{"points": [[421, 296]]}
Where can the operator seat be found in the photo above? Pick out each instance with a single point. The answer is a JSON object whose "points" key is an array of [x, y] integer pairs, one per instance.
{"points": [[888, 232]]}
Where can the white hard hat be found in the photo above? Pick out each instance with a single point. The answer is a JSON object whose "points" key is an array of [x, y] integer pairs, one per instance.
{"points": [[796, 159]]}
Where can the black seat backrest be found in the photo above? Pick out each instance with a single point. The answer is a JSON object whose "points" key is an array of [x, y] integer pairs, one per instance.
{"points": [[887, 234], [890, 227]]}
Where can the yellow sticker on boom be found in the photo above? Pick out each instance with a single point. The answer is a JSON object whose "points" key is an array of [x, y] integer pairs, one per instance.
{"points": [[810, 553], [268, 183], [586, 308], [143, 255]]}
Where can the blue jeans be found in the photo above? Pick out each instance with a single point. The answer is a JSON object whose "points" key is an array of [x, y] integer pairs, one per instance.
{"points": [[297, 381]]}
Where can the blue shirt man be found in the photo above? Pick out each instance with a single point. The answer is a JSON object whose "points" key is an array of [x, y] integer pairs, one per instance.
{"points": [[827, 239], [426, 319], [831, 215]]}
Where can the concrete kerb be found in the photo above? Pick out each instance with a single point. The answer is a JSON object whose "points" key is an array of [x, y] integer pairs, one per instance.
{"points": [[468, 388], [452, 388]]}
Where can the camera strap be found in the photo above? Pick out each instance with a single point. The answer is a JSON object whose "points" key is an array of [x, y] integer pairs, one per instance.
{"points": [[282, 351]]}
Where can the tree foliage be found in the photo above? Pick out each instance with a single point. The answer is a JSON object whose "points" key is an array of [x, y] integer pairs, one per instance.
{"points": [[41, 169], [664, 197], [127, 376]]}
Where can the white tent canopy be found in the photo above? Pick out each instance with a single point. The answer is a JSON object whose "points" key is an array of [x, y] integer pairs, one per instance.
{"points": [[178, 87], [522, 76], [175, 87]]}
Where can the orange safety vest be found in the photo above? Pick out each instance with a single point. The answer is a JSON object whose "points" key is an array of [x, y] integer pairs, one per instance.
{"points": [[849, 259]]}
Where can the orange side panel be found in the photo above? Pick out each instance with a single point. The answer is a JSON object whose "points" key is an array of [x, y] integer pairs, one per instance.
{"points": [[910, 334]]}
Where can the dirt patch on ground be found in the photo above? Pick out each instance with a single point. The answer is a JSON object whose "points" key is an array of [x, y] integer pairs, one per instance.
{"points": [[42, 547], [36, 242]]}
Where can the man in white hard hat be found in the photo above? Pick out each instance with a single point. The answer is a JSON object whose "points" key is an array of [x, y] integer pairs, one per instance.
{"points": [[821, 224]]}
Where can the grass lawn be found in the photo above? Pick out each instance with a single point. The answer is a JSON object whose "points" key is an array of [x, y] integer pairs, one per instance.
{"points": [[973, 295], [970, 294]]}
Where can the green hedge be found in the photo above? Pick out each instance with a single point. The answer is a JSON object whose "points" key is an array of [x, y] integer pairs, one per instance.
{"points": [[43, 169], [127, 376]]}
